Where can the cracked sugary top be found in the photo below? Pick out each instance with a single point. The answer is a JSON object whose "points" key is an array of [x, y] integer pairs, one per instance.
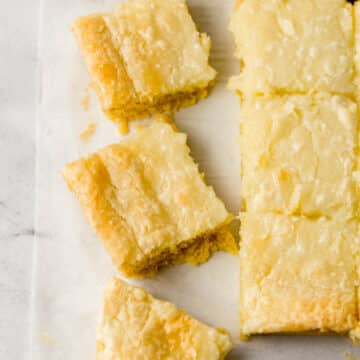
{"points": [[294, 46], [298, 154], [136, 326]]}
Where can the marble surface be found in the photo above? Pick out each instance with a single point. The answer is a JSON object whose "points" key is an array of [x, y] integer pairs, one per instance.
{"points": [[18, 33]]}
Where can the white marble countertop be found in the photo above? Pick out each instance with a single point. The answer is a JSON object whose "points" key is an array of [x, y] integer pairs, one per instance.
{"points": [[18, 33]]}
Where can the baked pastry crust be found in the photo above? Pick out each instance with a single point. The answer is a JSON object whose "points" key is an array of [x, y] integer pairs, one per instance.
{"points": [[148, 202], [298, 274], [146, 57], [293, 46], [134, 325], [298, 154]]}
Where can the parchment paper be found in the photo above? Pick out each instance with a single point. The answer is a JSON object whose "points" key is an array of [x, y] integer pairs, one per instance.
{"points": [[71, 266]]}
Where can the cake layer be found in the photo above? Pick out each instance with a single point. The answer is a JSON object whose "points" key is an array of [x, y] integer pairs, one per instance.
{"points": [[298, 154], [147, 200], [136, 326], [160, 105], [293, 46], [297, 274]]}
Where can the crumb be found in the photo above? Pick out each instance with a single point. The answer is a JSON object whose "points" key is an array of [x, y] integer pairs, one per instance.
{"points": [[124, 127], [86, 99], [90, 129], [243, 337], [45, 338]]}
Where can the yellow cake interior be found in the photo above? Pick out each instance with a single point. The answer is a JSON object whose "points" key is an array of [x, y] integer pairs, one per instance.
{"points": [[195, 251]]}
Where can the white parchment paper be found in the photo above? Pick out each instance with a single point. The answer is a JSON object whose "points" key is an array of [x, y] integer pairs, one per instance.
{"points": [[71, 266]]}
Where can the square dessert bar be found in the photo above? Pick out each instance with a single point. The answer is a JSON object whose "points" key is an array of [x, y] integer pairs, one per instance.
{"points": [[147, 200], [298, 154], [298, 274], [293, 46], [134, 325], [146, 57]]}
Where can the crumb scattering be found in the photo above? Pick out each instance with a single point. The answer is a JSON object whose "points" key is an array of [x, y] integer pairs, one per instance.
{"points": [[90, 129], [45, 338], [124, 127]]}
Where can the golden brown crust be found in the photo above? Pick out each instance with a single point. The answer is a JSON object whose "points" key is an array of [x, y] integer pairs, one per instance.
{"points": [[134, 325], [104, 62], [89, 180]]}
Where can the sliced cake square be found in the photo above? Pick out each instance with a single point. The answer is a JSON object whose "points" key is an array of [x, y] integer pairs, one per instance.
{"points": [[146, 57], [147, 200], [297, 274], [293, 46], [298, 154]]}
